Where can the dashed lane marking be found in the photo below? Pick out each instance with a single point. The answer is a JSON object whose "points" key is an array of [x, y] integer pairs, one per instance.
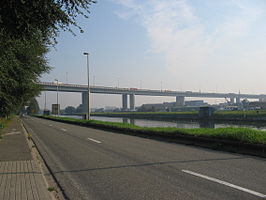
{"points": [[94, 140]]}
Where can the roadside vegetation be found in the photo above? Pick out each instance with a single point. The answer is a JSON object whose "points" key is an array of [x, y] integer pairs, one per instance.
{"points": [[242, 135], [3, 124], [28, 29]]}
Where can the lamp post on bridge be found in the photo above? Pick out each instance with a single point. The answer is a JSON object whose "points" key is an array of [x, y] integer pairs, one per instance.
{"points": [[88, 111]]}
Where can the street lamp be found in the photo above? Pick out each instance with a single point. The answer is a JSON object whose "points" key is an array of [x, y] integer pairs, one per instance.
{"points": [[57, 97], [88, 111]]}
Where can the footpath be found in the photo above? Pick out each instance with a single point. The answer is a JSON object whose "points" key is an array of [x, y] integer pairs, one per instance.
{"points": [[21, 176]]}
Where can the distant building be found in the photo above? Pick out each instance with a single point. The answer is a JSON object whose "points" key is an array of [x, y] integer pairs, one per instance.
{"points": [[195, 103], [171, 106], [257, 105], [152, 107]]}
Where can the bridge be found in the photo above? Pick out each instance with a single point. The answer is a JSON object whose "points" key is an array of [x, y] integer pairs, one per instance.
{"points": [[131, 92]]}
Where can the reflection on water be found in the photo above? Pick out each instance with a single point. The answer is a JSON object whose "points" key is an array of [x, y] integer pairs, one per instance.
{"points": [[176, 123]]}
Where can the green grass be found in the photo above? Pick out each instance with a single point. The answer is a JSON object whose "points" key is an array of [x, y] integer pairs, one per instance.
{"points": [[244, 135], [51, 189], [3, 124]]}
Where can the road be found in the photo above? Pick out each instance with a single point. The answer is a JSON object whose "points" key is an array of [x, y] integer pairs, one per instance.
{"points": [[96, 164]]}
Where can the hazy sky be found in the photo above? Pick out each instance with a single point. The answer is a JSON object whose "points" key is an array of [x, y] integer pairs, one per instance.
{"points": [[207, 45]]}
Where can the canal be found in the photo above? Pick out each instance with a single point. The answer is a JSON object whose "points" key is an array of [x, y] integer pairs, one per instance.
{"points": [[178, 123]]}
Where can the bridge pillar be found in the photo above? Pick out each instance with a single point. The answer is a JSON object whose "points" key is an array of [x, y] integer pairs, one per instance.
{"points": [[124, 102], [262, 99], [232, 100], [180, 100], [84, 102], [132, 102], [238, 100]]}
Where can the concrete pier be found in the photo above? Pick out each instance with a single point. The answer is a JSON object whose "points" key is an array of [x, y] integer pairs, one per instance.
{"points": [[124, 102], [132, 102], [180, 100], [232, 100]]}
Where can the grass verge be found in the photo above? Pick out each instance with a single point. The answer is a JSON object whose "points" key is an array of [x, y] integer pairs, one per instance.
{"points": [[3, 124], [231, 134]]}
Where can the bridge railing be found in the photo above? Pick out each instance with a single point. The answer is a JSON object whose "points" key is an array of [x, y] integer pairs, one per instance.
{"points": [[166, 92]]}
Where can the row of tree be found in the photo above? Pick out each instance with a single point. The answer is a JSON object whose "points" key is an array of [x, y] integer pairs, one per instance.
{"points": [[72, 110], [27, 30]]}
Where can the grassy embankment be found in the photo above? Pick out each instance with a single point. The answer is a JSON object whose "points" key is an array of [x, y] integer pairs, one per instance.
{"points": [[3, 124], [242, 135]]}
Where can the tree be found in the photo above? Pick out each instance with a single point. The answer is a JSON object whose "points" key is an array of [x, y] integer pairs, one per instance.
{"points": [[70, 110], [26, 30], [22, 18], [21, 63], [80, 109], [33, 107]]}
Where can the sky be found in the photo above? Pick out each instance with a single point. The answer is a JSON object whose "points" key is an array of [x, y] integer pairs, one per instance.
{"points": [[184, 45]]}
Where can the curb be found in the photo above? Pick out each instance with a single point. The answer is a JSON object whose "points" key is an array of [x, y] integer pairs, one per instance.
{"points": [[48, 176], [216, 144]]}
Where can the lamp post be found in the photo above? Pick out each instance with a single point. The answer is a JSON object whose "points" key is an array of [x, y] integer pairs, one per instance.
{"points": [[88, 111], [57, 97], [45, 100]]}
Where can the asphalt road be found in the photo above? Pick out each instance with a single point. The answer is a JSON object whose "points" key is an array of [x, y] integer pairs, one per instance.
{"points": [[96, 164]]}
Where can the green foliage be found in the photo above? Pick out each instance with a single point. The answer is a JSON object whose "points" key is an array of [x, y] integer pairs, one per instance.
{"points": [[79, 109], [51, 189], [70, 110], [21, 18], [26, 28], [33, 107], [21, 63], [3, 123]]}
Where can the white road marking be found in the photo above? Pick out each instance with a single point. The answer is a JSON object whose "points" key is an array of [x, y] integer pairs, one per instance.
{"points": [[50, 125], [94, 140], [62, 129], [225, 183]]}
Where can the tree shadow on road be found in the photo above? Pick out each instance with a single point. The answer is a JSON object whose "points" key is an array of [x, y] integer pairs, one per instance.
{"points": [[149, 164]]}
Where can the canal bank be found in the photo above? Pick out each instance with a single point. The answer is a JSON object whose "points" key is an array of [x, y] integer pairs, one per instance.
{"points": [[237, 116]]}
